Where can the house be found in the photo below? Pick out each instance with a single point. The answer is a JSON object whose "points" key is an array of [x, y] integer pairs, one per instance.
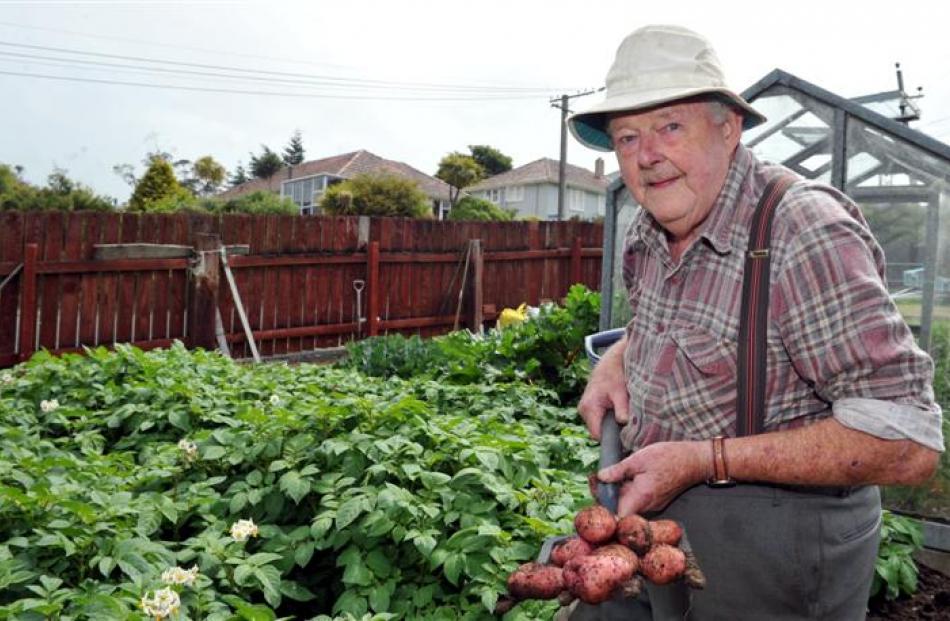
{"points": [[306, 182], [532, 190]]}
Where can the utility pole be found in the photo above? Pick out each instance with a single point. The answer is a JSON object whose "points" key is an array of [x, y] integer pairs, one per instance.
{"points": [[561, 103]]}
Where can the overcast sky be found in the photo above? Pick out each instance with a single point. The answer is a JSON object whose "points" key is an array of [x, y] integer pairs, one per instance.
{"points": [[374, 69]]}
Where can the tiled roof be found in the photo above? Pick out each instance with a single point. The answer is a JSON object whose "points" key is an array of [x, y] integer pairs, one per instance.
{"points": [[544, 170], [346, 165]]}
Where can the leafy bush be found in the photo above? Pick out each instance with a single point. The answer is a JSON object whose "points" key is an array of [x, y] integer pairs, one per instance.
{"points": [[473, 208], [377, 195], [258, 202], [404, 499], [895, 572], [60, 193], [547, 350]]}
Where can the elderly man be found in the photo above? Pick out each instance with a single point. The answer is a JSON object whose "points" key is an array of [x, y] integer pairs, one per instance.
{"points": [[777, 495]]}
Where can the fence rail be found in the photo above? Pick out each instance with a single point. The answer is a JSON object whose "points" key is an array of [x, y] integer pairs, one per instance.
{"points": [[303, 282]]}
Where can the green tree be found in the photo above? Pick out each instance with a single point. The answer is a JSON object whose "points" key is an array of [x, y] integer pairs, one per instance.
{"points": [[473, 208], [208, 174], [239, 176], [265, 165], [492, 161], [459, 171], [293, 152], [61, 193], [159, 182], [377, 195]]}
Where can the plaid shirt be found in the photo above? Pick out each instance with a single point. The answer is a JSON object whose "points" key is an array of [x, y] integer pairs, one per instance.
{"points": [[836, 344]]}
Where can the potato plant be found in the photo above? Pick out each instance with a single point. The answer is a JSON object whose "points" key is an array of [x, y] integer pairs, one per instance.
{"points": [[141, 485]]}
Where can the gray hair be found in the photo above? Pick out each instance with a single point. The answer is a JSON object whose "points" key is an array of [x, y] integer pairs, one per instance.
{"points": [[718, 110]]}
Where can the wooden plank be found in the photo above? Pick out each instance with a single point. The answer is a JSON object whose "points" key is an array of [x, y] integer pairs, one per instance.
{"points": [[108, 286], [88, 282], [477, 282], [126, 282], [11, 253], [117, 265], [285, 290], [417, 322], [372, 289], [282, 334], [576, 261], [28, 305], [111, 252], [203, 293], [71, 284], [48, 287], [309, 234]]}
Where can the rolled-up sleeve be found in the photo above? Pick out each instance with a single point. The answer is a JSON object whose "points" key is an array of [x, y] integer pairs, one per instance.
{"points": [[843, 333]]}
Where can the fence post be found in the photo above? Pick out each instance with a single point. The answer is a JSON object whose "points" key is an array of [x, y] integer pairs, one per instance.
{"points": [[372, 283], [28, 306], [203, 291], [575, 262], [478, 269]]}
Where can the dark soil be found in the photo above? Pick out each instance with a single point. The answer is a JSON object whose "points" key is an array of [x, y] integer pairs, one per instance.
{"points": [[931, 602]]}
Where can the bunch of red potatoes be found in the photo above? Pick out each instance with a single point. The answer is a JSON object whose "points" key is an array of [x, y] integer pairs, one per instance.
{"points": [[608, 556]]}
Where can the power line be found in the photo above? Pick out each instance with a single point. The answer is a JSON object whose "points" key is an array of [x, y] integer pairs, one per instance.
{"points": [[175, 46], [285, 74], [267, 93], [186, 72]]}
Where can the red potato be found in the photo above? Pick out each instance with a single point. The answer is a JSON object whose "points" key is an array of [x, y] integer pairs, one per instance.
{"points": [[595, 524], [666, 531], [663, 564], [536, 581], [621, 551], [568, 549], [594, 579], [634, 532]]}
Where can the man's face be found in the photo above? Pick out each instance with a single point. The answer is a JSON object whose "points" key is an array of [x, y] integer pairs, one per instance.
{"points": [[674, 160]]}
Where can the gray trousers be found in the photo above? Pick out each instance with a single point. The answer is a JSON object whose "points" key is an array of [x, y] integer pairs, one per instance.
{"points": [[769, 554]]}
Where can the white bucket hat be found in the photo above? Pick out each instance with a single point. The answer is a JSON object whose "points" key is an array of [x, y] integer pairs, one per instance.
{"points": [[657, 65]]}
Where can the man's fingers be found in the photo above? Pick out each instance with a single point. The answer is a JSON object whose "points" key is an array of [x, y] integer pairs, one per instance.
{"points": [[632, 501], [621, 408]]}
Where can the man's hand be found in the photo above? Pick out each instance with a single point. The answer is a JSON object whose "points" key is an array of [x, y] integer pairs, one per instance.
{"points": [[653, 476], [606, 389]]}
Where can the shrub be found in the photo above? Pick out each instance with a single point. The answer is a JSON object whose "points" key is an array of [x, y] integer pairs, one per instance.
{"points": [[473, 208], [377, 195]]}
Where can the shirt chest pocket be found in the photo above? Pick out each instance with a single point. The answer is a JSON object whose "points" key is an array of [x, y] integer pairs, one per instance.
{"points": [[700, 390]]}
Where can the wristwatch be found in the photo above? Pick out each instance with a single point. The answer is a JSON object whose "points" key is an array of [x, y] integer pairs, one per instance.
{"points": [[720, 477]]}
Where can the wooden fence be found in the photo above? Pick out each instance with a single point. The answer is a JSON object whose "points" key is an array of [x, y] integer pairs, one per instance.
{"points": [[70, 280]]}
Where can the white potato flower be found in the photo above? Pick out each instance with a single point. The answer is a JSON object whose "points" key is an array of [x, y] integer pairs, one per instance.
{"points": [[6, 378], [177, 575], [242, 529], [189, 448], [274, 400], [163, 604], [49, 406]]}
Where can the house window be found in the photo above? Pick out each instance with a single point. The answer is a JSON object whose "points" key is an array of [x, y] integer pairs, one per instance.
{"points": [[575, 200], [493, 195], [514, 194]]}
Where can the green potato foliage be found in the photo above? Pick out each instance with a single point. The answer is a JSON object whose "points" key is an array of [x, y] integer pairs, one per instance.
{"points": [[305, 492]]}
